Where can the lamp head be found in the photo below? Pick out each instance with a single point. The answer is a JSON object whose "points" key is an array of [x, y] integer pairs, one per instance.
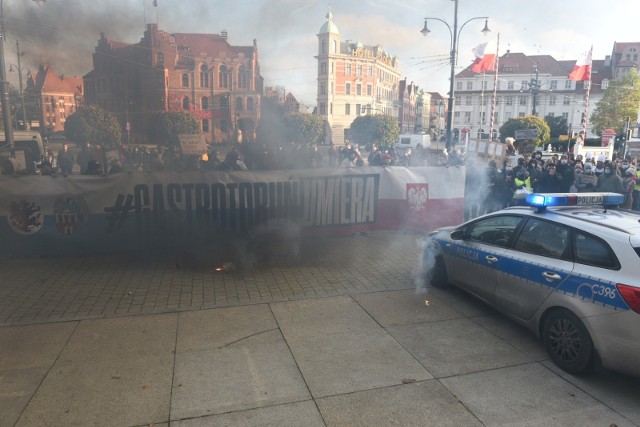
{"points": [[485, 30], [425, 31]]}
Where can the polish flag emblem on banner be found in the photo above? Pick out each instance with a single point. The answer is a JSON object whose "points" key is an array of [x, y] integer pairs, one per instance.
{"points": [[485, 54], [582, 69]]}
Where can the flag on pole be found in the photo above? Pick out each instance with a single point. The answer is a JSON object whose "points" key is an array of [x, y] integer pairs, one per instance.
{"points": [[485, 54], [582, 69]]}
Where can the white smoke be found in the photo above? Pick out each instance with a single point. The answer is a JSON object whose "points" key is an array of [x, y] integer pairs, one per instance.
{"points": [[423, 273]]}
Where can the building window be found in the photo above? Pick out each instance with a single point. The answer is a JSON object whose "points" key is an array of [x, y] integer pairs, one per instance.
{"points": [[323, 68], [358, 89], [499, 85], [605, 84], [551, 114], [186, 103], [458, 85], [567, 84], [458, 102], [160, 58], [552, 100], [370, 71], [250, 104], [359, 70], [347, 109], [347, 88], [467, 116], [524, 85], [205, 125], [553, 85], [357, 109], [508, 100], [522, 100], [323, 108], [369, 90], [510, 85], [456, 114], [239, 104], [204, 103], [242, 77], [185, 80], [347, 70], [508, 115], [467, 100], [565, 116], [334, 46], [204, 75], [469, 85], [224, 126], [521, 114], [566, 100], [323, 46], [223, 76]]}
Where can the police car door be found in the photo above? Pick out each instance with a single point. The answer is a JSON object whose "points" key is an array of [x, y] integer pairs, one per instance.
{"points": [[477, 258], [539, 263]]}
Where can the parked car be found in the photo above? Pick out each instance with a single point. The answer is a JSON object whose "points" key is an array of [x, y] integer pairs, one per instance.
{"points": [[567, 266]]}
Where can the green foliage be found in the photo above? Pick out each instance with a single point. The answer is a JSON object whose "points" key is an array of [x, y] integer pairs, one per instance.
{"points": [[92, 124], [165, 127], [557, 124], [304, 128], [379, 129], [509, 128], [620, 100]]}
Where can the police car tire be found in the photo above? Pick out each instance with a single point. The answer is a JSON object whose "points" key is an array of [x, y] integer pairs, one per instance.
{"points": [[439, 277], [568, 342]]}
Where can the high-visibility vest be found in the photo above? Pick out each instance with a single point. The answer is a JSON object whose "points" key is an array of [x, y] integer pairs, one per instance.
{"points": [[519, 183]]}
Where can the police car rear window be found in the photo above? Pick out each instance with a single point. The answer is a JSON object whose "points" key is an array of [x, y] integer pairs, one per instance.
{"points": [[590, 250]]}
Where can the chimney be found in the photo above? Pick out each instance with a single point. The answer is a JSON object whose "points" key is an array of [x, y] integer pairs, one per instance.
{"points": [[607, 61], [224, 34]]}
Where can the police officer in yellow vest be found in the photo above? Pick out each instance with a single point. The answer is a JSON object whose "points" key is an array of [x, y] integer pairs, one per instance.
{"points": [[636, 192], [522, 183]]}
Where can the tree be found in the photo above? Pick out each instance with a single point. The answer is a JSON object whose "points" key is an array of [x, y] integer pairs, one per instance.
{"points": [[304, 128], [92, 124], [557, 124], [620, 100], [379, 129], [165, 127], [509, 128]]}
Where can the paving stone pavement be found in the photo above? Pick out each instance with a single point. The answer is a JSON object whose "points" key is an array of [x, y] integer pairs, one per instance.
{"points": [[49, 289], [319, 332]]}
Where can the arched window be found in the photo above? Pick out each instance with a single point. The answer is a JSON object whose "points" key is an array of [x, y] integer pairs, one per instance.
{"points": [[239, 104], [335, 46], [323, 48], [242, 77], [205, 125], [185, 80], [204, 103], [204, 75], [223, 77], [250, 104], [186, 103]]}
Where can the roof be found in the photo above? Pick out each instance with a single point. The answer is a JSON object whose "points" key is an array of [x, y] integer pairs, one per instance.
{"points": [[210, 44], [48, 81], [329, 26], [519, 63]]}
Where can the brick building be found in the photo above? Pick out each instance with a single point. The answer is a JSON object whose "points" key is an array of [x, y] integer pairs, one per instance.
{"points": [[202, 74]]}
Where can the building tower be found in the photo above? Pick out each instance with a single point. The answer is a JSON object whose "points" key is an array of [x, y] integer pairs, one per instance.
{"points": [[328, 52]]}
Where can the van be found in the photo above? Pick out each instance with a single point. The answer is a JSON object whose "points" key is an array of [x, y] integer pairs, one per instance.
{"points": [[29, 149], [411, 141]]}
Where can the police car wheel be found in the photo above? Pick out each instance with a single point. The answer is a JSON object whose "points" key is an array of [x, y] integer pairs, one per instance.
{"points": [[568, 342], [439, 277]]}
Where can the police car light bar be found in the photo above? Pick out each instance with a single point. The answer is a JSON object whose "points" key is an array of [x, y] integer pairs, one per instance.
{"points": [[542, 200]]}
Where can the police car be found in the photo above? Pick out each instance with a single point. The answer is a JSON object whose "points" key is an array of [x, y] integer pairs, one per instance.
{"points": [[567, 266]]}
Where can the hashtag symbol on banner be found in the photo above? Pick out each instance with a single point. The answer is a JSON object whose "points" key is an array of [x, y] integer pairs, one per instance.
{"points": [[118, 213]]}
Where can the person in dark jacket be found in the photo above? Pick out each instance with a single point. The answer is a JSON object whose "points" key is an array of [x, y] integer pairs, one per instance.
{"points": [[609, 181], [550, 181]]}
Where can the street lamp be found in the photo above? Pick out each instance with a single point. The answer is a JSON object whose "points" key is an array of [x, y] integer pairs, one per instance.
{"points": [[454, 33]]}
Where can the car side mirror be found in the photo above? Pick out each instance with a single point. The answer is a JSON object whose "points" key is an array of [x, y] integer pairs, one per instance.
{"points": [[457, 234]]}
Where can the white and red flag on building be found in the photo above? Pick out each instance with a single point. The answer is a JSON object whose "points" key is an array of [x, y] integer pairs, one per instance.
{"points": [[582, 69], [485, 54]]}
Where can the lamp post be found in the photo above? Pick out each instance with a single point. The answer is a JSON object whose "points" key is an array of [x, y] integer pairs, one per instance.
{"points": [[25, 123], [4, 90], [454, 33]]}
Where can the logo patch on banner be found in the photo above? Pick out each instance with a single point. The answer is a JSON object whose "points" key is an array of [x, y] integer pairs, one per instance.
{"points": [[417, 196], [25, 217], [70, 213]]}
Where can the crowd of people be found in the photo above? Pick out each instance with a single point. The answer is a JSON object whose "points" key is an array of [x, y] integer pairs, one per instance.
{"points": [[562, 173], [92, 160]]}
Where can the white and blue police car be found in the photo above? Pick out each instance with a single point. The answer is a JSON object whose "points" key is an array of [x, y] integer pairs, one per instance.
{"points": [[566, 266]]}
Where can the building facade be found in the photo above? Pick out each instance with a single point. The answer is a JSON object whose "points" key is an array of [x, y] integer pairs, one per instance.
{"points": [[51, 99], [525, 85], [202, 74], [353, 79]]}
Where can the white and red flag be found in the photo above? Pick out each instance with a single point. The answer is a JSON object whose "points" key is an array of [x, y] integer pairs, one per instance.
{"points": [[582, 69], [485, 54]]}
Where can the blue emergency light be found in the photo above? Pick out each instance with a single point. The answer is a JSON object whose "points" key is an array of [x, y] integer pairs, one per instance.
{"points": [[542, 200]]}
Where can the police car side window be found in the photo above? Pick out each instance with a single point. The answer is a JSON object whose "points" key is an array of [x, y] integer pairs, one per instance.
{"points": [[496, 231], [543, 238], [590, 250]]}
